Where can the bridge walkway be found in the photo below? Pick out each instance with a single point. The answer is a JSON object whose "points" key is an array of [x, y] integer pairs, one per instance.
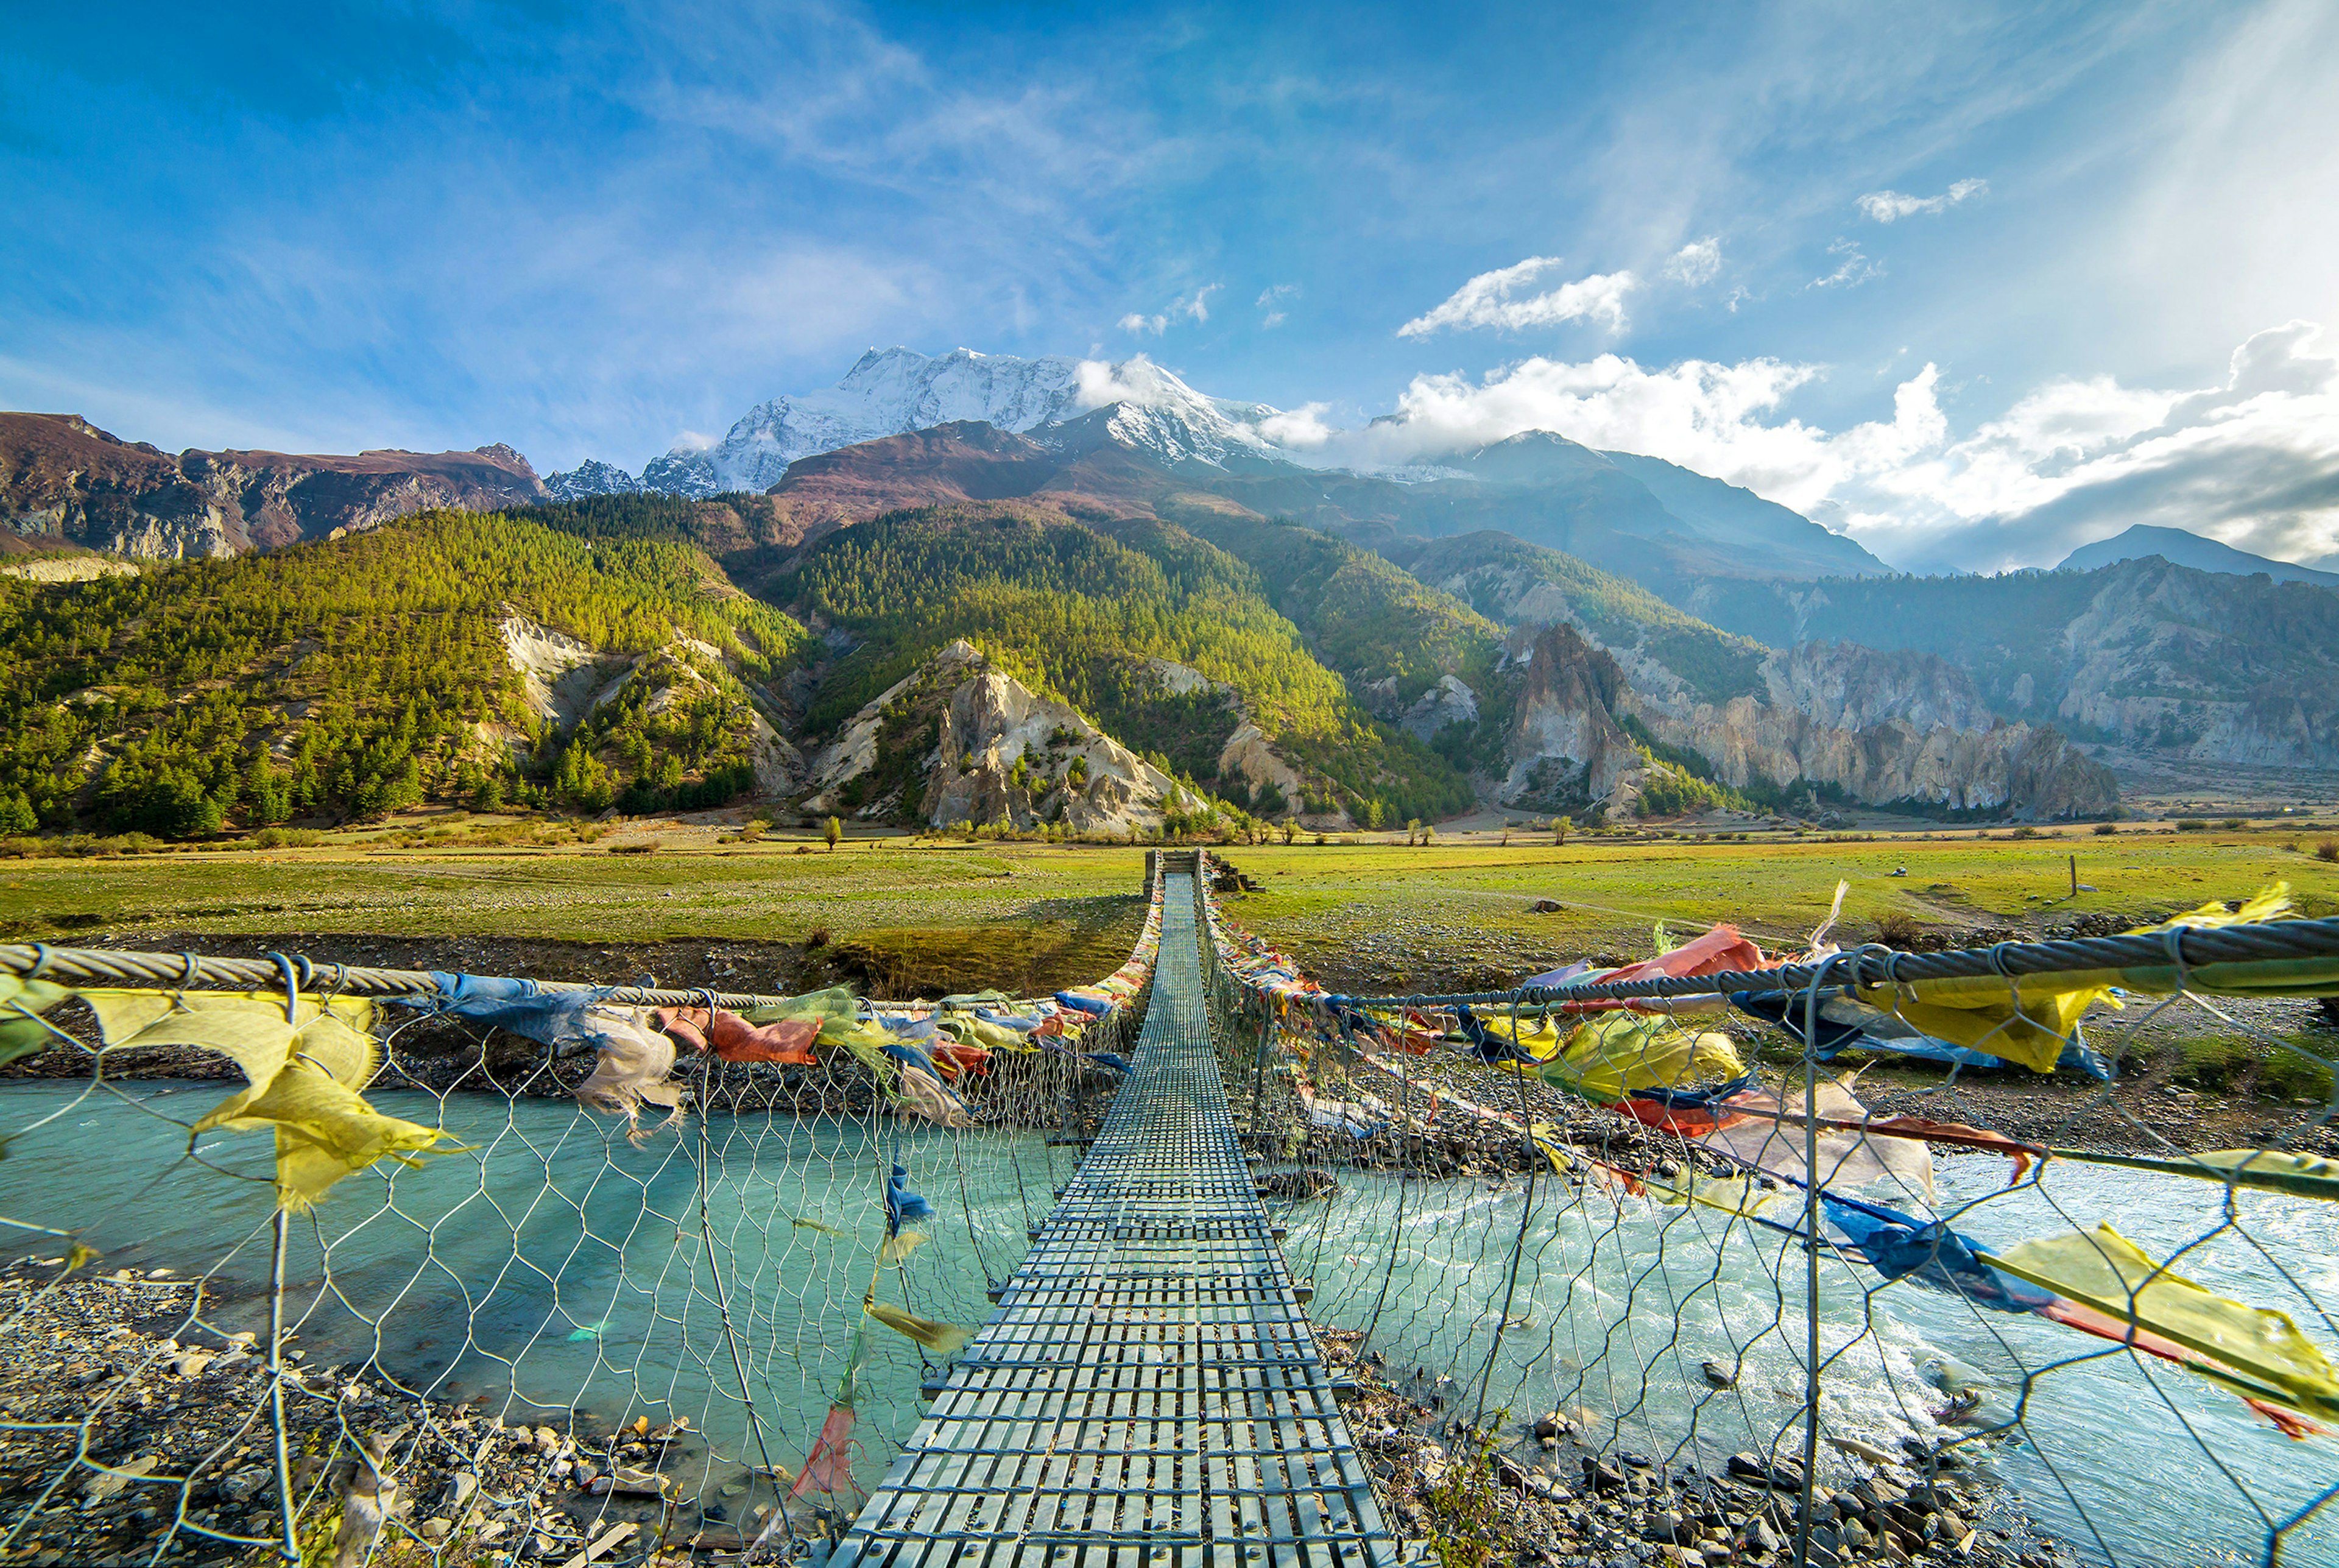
{"points": [[1149, 1394]]}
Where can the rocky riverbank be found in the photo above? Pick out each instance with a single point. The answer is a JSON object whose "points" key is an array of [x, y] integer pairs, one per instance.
{"points": [[125, 1422], [1536, 1492]]}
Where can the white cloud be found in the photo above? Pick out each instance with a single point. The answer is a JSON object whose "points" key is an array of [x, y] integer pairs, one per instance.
{"points": [[1695, 263], [1301, 429], [1491, 299], [1704, 415], [1854, 270], [1194, 307], [1270, 301], [2254, 460], [1890, 206]]}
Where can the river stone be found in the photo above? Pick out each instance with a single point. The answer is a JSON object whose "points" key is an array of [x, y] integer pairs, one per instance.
{"points": [[240, 1486]]}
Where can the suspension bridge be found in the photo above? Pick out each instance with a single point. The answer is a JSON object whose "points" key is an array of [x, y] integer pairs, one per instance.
{"points": [[1148, 1392]]}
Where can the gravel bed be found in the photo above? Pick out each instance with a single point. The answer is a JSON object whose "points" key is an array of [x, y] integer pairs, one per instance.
{"points": [[1532, 1490], [125, 1426]]}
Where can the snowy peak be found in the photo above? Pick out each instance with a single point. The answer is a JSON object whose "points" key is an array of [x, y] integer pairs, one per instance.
{"points": [[894, 391], [1155, 412], [887, 393], [905, 390]]}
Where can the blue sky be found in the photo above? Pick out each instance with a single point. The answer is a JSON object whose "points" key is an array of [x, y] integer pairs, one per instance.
{"points": [[1974, 282]]}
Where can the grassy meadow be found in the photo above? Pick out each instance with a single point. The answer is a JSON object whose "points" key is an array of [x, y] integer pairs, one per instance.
{"points": [[1365, 911]]}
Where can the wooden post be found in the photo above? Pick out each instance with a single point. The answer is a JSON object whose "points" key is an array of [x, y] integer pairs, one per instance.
{"points": [[2075, 876]]}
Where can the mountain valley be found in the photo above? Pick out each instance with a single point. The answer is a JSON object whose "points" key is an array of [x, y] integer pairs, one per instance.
{"points": [[1043, 609]]}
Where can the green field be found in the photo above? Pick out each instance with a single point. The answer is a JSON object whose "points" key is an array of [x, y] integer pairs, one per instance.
{"points": [[1362, 913]]}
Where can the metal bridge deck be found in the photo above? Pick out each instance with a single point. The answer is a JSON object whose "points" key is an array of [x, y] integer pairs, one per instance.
{"points": [[1148, 1394]]}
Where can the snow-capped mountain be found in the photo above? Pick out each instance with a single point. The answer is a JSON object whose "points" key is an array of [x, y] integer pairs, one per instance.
{"points": [[894, 392]]}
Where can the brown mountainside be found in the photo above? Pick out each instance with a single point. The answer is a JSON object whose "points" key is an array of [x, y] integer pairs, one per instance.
{"points": [[64, 481]]}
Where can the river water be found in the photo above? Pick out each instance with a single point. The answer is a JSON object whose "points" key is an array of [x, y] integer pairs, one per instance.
{"points": [[556, 1266]]}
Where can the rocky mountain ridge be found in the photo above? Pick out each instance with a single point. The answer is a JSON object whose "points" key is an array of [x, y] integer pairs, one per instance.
{"points": [[65, 482], [1423, 627], [2208, 666], [2188, 549], [1536, 723], [1893, 729]]}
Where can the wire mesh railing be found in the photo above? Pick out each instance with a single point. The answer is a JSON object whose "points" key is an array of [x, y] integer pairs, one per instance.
{"points": [[1741, 1256], [328, 1264]]}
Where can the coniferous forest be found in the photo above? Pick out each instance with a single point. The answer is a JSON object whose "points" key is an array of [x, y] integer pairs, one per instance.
{"points": [[349, 678], [352, 678]]}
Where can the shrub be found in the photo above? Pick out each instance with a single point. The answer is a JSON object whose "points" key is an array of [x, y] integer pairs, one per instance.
{"points": [[2191, 824], [2024, 831], [2328, 849], [2106, 829], [1898, 927], [2231, 824]]}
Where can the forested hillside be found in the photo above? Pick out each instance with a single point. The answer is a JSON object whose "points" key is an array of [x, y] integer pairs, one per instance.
{"points": [[1081, 612], [1363, 615], [354, 676], [1514, 582]]}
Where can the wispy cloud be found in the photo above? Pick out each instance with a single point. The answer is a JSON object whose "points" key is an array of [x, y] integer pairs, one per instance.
{"points": [[1851, 272], [1695, 263], [1194, 306], [1270, 300], [1890, 206], [1493, 299]]}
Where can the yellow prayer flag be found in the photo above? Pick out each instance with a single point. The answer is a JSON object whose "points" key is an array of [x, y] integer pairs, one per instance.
{"points": [[2103, 1269], [303, 1073]]}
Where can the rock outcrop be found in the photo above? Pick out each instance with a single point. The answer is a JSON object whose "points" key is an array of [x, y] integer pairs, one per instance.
{"points": [[958, 740], [1249, 756], [1566, 748], [2162, 658], [560, 674], [62, 481], [1889, 729], [1449, 702]]}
